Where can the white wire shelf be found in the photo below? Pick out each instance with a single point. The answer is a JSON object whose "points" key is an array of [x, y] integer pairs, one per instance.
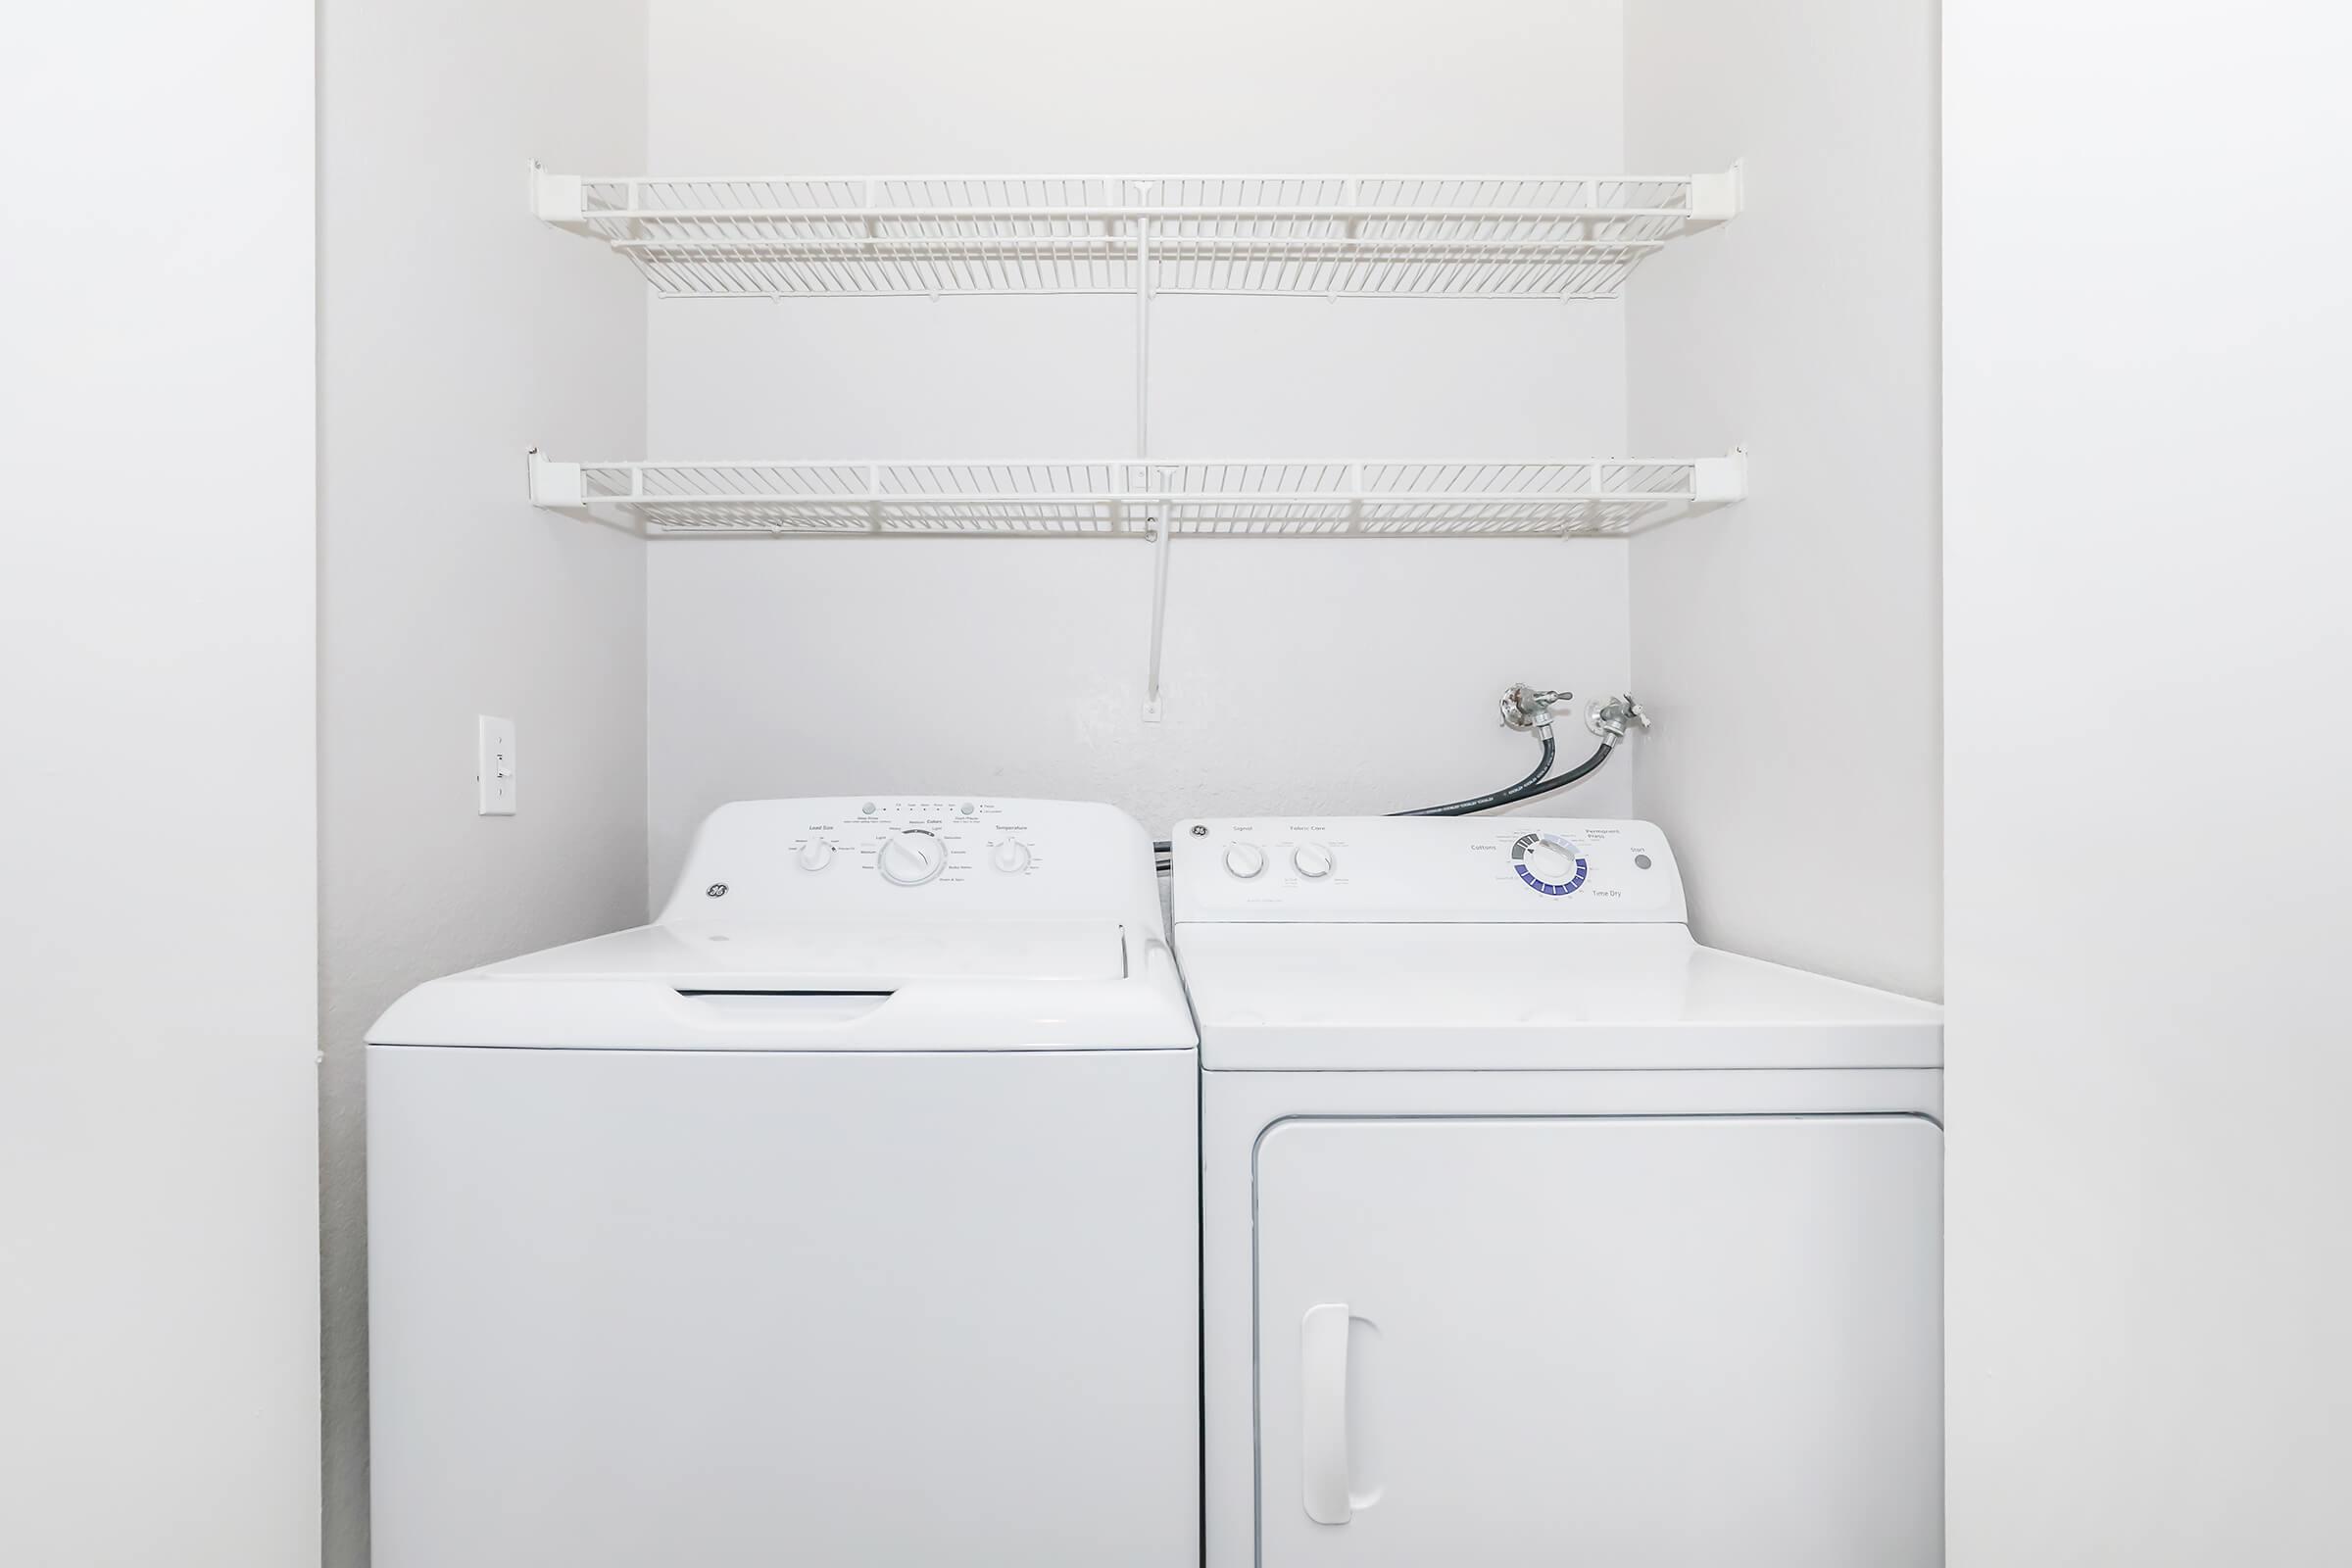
{"points": [[1124, 498], [1542, 237]]}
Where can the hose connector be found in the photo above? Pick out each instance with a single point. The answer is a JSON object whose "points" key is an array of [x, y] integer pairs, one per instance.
{"points": [[1612, 716], [1523, 707]]}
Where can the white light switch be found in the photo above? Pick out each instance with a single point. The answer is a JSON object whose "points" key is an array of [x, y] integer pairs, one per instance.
{"points": [[494, 765]]}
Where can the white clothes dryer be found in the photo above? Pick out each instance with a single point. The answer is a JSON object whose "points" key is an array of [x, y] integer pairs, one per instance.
{"points": [[848, 1213], [1536, 1233]]}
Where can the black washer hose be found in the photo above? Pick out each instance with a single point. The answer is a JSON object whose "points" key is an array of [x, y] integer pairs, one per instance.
{"points": [[1527, 789], [1504, 796]]}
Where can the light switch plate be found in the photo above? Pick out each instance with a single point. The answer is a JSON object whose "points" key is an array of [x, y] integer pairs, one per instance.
{"points": [[494, 765]]}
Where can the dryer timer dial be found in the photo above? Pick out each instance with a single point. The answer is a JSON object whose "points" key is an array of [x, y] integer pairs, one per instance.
{"points": [[1549, 864]]}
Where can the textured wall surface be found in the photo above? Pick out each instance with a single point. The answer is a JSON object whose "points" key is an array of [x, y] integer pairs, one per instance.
{"points": [[1788, 647], [458, 331], [1309, 675], [158, 1265]]}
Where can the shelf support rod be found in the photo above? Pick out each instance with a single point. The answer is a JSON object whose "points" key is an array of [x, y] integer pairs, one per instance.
{"points": [[1143, 339], [1161, 531]]}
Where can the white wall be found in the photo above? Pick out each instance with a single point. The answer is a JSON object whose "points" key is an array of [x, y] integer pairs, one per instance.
{"points": [[2146, 556], [1308, 675], [158, 1395], [457, 333], [1787, 646]]}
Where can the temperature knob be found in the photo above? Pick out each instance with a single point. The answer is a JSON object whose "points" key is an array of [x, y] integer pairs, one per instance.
{"points": [[910, 858], [1313, 860], [1244, 861], [816, 854], [1011, 856]]}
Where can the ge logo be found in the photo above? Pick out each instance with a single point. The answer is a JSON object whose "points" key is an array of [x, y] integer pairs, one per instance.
{"points": [[717, 889]]}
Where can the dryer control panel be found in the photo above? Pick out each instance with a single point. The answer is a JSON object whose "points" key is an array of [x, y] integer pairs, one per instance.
{"points": [[1490, 869], [856, 856]]}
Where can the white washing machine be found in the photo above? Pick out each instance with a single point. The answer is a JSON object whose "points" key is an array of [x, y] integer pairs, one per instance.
{"points": [[848, 1213], [1534, 1233]]}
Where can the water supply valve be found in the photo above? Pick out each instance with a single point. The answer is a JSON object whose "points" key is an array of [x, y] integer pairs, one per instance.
{"points": [[1612, 716], [1523, 707]]}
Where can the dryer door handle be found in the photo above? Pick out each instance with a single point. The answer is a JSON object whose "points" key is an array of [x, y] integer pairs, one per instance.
{"points": [[1323, 1413]]}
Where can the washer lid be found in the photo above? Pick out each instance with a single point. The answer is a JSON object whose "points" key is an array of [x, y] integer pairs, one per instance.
{"points": [[1497, 997], [839, 985]]}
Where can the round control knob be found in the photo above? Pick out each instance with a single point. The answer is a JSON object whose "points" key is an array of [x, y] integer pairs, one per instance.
{"points": [[1244, 861], [1011, 856], [816, 854], [910, 858], [1312, 861], [1551, 859], [1550, 864]]}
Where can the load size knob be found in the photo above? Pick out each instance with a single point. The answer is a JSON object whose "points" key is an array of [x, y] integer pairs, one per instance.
{"points": [[910, 858], [816, 854]]}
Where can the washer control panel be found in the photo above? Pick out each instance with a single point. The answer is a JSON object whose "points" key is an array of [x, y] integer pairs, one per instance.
{"points": [[893, 854], [1496, 869]]}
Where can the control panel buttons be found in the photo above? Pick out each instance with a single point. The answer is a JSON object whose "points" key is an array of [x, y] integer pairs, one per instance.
{"points": [[1244, 861], [911, 856], [816, 854], [1312, 861], [1011, 856]]}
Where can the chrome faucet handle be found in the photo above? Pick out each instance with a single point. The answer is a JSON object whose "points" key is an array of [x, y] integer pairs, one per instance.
{"points": [[1612, 716], [1523, 707]]}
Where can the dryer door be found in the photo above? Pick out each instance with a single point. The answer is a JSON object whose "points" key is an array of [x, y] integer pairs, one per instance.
{"points": [[1669, 1341]]}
